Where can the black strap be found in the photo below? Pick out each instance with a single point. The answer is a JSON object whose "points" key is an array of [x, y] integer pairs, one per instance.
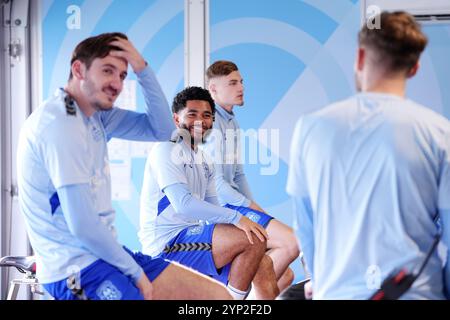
{"points": [[400, 281]]}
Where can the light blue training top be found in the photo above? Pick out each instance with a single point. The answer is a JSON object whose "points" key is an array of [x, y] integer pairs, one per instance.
{"points": [[369, 175], [178, 192], [64, 179]]}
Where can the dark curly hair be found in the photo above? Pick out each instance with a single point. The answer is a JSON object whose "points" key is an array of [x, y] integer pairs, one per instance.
{"points": [[192, 93], [95, 47]]}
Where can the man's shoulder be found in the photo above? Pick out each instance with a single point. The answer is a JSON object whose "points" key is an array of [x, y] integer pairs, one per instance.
{"points": [[427, 114], [332, 110], [163, 146], [52, 117], [337, 107], [162, 151]]}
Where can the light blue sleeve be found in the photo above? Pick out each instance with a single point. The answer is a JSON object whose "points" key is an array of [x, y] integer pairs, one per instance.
{"points": [[214, 148], [84, 223], [154, 125], [226, 192], [241, 180], [190, 207], [444, 211], [211, 196], [303, 226]]}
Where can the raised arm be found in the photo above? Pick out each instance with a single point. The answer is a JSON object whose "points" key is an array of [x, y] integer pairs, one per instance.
{"points": [[156, 123]]}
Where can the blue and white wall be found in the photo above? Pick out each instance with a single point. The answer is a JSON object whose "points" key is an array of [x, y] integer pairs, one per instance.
{"points": [[156, 28], [295, 57]]}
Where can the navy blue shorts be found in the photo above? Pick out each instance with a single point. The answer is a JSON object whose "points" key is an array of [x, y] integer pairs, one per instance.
{"points": [[102, 281]]}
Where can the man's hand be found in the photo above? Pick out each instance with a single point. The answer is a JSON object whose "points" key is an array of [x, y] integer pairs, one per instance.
{"points": [[145, 286], [129, 53], [254, 206], [248, 226]]}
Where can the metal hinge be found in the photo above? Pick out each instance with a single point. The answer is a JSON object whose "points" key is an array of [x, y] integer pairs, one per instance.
{"points": [[15, 49], [13, 191]]}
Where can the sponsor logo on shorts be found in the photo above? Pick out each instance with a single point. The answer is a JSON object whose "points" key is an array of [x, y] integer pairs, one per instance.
{"points": [[108, 291], [194, 230]]}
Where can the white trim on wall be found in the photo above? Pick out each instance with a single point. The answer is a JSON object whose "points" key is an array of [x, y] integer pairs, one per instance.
{"points": [[16, 109], [2, 141], [36, 53], [196, 44]]}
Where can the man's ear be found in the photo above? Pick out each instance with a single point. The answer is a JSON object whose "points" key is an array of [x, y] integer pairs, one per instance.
{"points": [[78, 69], [360, 58], [413, 71], [212, 88], [176, 119]]}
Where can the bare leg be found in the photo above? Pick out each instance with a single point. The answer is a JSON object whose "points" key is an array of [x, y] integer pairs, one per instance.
{"points": [[177, 282], [265, 282], [283, 247], [231, 245], [286, 279]]}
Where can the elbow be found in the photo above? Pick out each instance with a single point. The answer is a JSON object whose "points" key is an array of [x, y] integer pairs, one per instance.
{"points": [[83, 235], [181, 206], [164, 134]]}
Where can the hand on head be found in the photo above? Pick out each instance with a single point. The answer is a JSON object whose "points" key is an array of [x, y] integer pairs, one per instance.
{"points": [[129, 53]]}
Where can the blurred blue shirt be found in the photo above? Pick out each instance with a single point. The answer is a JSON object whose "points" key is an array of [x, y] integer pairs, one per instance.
{"points": [[368, 176]]}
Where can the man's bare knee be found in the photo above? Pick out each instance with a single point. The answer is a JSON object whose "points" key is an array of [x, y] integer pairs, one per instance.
{"points": [[288, 275], [266, 263], [290, 244], [293, 250], [258, 245]]}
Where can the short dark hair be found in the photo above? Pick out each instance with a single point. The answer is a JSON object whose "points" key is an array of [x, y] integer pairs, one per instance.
{"points": [[220, 68], [95, 47], [399, 41], [192, 93]]}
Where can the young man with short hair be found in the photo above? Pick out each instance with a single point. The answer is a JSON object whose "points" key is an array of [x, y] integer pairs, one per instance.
{"points": [[225, 83], [65, 184], [181, 219]]}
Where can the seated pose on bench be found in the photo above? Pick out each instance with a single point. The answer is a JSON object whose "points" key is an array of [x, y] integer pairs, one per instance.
{"points": [[233, 191], [65, 184], [181, 219]]}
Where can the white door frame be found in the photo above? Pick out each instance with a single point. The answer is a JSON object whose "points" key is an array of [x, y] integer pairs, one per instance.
{"points": [[196, 42]]}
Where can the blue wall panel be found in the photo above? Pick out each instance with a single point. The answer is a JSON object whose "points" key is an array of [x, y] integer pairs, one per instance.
{"points": [[296, 57]]}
